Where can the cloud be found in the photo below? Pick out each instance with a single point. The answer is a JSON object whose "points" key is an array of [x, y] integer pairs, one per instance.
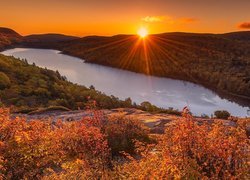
{"points": [[151, 19], [169, 19], [244, 25], [188, 20]]}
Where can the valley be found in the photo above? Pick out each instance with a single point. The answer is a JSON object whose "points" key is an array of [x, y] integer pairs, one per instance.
{"points": [[220, 62]]}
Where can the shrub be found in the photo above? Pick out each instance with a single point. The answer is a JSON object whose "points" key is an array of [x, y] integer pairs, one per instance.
{"points": [[122, 132], [205, 116], [1, 104], [80, 149], [222, 114], [192, 151], [29, 150], [147, 106], [171, 111]]}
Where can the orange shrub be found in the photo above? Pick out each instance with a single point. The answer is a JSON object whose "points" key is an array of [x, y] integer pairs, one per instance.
{"points": [[32, 149], [80, 150], [191, 151], [120, 131]]}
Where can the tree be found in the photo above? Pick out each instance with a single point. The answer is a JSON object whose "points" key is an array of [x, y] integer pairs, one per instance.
{"points": [[147, 106], [222, 114], [92, 87], [128, 102]]}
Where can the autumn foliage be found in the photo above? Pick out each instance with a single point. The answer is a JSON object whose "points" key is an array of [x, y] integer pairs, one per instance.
{"points": [[90, 149], [36, 148], [191, 151]]}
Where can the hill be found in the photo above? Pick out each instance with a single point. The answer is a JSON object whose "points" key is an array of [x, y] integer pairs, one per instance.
{"points": [[28, 87], [219, 62], [241, 36], [46, 40], [8, 37]]}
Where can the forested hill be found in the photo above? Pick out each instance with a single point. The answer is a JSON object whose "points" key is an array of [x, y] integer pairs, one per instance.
{"points": [[46, 40], [28, 87], [8, 37], [241, 36]]}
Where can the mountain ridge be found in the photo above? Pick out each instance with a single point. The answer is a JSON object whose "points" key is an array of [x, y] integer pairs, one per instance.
{"points": [[8, 37]]}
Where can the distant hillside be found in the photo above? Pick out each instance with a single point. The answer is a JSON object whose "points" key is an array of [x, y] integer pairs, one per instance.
{"points": [[46, 40], [8, 37], [220, 62], [241, 36]]}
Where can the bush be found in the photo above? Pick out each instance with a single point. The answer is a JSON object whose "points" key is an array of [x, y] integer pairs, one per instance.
{"points": [[191, 151], [122, 132], [29, 150], [147, 106], [1, 104], [81, 149], [222, 114]]}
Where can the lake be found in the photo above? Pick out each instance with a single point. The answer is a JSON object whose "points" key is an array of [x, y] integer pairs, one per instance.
{"points": [[162, 92]]}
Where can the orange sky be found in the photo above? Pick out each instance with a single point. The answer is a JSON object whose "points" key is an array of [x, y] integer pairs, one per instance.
{"points": [[88, 17]]}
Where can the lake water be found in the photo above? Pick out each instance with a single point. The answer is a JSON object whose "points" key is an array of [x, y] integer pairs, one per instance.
{"points": [[162, 92]]}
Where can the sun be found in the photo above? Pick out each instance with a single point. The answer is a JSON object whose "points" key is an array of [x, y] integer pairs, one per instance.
{"points": [[142, 32]]}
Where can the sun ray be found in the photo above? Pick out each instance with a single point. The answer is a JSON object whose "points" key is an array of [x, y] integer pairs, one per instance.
{"points": [[127, 59], [146, 57], [110, 44], [172, 59]]}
